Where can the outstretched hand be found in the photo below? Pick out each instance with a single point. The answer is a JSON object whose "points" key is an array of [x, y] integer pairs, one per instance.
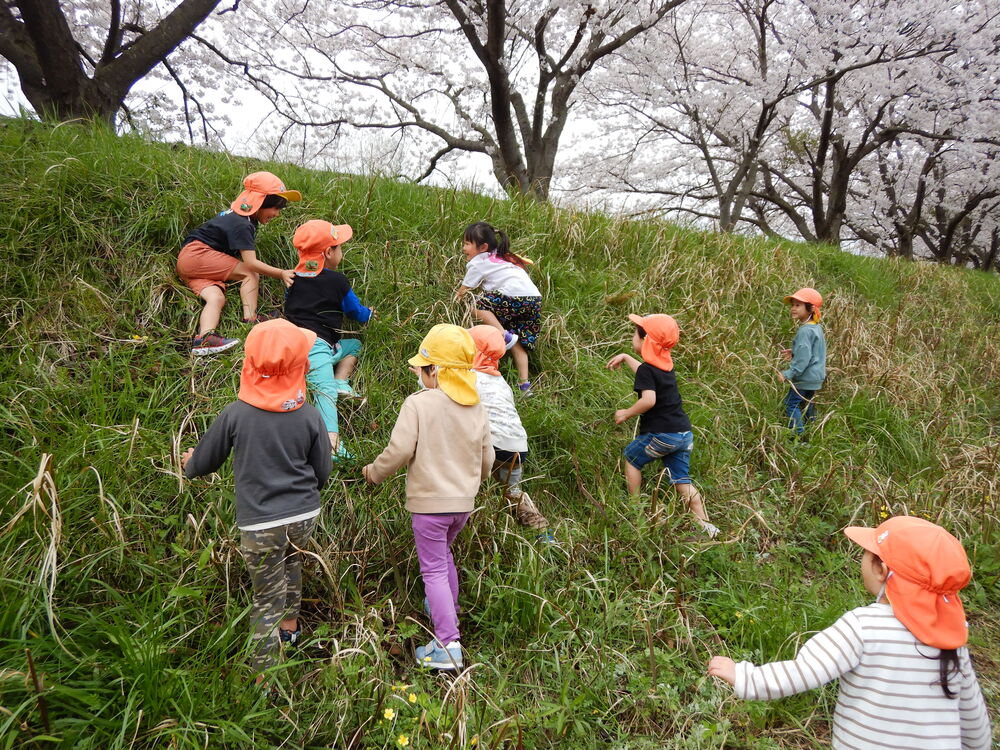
{"points": [[781, 377], [185, 457], [288, 276], [616, 361], [722, 667], [621, 415]]}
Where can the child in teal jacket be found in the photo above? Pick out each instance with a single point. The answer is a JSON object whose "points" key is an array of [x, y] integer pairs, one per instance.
{"points": [[807, 369]]}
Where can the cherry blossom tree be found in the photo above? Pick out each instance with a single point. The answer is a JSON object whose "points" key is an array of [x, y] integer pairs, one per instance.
{"points": [[775, 114], [81, 59], [498, 78], [934, 199]]}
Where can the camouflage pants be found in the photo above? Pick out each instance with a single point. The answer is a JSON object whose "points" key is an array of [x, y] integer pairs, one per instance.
{"points": [[276, 571]]}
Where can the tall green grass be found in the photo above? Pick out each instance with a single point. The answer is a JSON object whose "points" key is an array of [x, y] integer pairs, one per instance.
{"points": [[126, 585]]}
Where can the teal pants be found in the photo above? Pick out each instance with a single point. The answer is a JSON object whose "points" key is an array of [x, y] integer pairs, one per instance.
{"points": [[321, 380]]}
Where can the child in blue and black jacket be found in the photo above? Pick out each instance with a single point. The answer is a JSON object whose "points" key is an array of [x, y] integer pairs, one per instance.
{"points": [[318, 300]]}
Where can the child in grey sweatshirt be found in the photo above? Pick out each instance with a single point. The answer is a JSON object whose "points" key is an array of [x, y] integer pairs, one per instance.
{"points": [[281, 461]]}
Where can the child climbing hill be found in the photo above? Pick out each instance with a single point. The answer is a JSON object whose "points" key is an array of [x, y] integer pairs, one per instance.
{"points": [[510, 441], [281, 462], [319, 300], [807, 370], [442, 436], [224, 249], [906, 681], [509, 301], [664, 429]]}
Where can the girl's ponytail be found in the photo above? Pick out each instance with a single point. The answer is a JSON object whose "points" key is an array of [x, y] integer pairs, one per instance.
{"points": [[503, 250], [503, 243], [947, 664]]}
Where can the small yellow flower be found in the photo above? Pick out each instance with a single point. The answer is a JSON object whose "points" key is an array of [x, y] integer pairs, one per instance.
{"points": [[739, 614], [474, 741], [389, 714], [402, 740], [413, 698]]}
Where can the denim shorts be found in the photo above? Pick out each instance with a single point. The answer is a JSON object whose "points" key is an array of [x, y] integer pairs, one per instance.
{"points": [[672, 448]]}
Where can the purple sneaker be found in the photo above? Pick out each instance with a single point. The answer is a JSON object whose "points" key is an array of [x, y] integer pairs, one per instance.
{"points": [[509, 339], [525, 388]]}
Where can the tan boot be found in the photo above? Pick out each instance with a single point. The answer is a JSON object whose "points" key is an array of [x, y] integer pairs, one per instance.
{"points": [[527, 513]]}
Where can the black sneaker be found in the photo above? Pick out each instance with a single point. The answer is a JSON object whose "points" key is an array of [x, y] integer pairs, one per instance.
{"points": [[211, 343], [290, 638]]}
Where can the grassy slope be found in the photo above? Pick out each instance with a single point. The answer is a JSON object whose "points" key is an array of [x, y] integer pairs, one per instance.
{"points": [[128, 587]]}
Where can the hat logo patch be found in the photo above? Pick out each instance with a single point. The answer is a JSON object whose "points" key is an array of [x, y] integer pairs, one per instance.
{"points": [[881, 537], [312, 265], [244, 206], [288, 405], [333, 232], [425, 354]]}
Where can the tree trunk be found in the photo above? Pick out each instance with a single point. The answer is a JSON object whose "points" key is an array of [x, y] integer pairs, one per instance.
{"points": [[50, 61]]}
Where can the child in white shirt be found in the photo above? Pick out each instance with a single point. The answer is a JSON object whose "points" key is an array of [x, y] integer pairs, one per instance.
{"points": [[509, 300], [510, 441]]}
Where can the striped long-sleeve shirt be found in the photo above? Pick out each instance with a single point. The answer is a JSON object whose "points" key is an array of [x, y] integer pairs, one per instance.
{"points": [[890, 695]]}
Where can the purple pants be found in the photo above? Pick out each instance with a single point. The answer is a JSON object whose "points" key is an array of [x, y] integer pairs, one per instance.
{"points": [[433, 536]]}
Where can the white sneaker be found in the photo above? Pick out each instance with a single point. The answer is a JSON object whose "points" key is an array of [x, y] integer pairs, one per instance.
{"points": [[709, 528]]}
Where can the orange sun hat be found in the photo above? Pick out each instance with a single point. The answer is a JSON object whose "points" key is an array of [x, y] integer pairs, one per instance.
{"points": [[258, 186], [275, 366], [928, 566], [662, 335], [490, 348], [313, 239], [810, 295]]}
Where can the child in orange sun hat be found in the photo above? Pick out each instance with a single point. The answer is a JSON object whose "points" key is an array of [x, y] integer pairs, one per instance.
{"points": [[806, 369], [664, 429], [319, 300], [510, 440], [281, 460], [224, 249], [906, 680]]}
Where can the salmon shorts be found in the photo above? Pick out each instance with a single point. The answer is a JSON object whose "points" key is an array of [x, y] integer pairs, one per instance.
{"points": [[201, 266]]}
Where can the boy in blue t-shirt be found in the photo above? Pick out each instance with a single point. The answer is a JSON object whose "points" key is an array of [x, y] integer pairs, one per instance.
{"points": [[664, 428], [807, 369], [318, 300]]}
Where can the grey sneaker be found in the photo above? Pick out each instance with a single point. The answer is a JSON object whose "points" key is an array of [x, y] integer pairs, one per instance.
{"points": [[211, 343]]}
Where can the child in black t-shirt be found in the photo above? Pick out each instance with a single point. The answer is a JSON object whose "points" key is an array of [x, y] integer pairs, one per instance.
{"points": [[224, 249], [664, 428], [318, 301]]}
